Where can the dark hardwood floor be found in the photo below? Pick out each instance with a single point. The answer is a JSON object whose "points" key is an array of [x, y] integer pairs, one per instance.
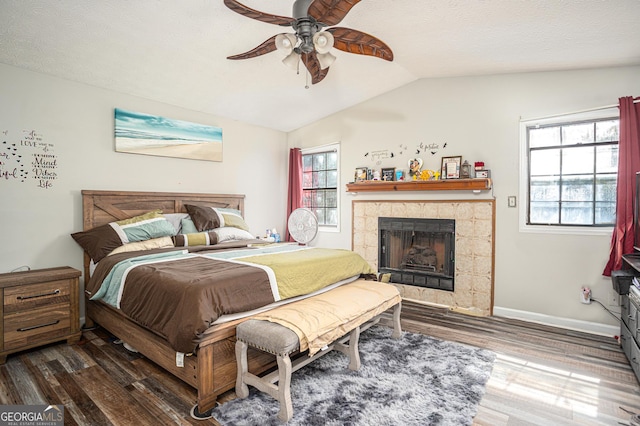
{"points": [[542, 376]]}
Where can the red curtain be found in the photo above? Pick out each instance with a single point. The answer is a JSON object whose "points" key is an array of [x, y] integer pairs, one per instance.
{"points": [[628, 164], [294, 199]]}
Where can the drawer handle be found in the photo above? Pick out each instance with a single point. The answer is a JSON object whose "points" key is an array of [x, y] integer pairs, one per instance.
{"points": [[33, 327], [53, 293], [631, 317]]}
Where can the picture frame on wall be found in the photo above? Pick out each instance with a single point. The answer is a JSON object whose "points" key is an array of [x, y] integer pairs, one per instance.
{"points": [[141, 133], [361, 174], [450, 168], [388, 174]]}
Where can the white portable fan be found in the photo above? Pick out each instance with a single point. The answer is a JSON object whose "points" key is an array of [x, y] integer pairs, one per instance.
{"points": [[303, 225]]}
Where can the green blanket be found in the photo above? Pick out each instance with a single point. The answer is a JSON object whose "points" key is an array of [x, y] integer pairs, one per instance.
{"points": [[301, 270]]}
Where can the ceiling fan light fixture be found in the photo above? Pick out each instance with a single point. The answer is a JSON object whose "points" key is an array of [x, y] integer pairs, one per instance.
{"points": [[285, 43], [325, 60], [292, 60], [323, 41]]}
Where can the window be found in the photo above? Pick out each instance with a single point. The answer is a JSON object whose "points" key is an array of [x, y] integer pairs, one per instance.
{"points": [[572, 170], [320, 184]]}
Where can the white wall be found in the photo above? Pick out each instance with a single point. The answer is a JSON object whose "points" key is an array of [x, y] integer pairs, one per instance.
{"points": [[78, 121], [478, 118]]}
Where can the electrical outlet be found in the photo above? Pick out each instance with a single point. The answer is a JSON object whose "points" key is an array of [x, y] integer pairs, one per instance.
{"points": [[511, 200], [585, 295]]}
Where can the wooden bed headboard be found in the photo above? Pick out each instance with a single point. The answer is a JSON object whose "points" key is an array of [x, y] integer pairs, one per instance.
{"points": [[102, 207]]}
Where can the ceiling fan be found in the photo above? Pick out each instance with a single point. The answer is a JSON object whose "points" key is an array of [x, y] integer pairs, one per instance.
{"points": [[312, 41]]}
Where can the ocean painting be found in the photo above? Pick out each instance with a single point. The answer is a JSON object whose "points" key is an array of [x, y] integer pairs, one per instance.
{"points": [[139, 133]]}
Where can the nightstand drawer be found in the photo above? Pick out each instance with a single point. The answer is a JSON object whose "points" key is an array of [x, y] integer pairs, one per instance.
{"points": [[39, 307], [36, 295], [22, 329]]}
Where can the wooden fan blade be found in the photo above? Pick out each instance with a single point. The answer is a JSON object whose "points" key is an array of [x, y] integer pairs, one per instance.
{"points": [[267, 46], [256, 14], [310, 61], [354, 41], [331, 12]]}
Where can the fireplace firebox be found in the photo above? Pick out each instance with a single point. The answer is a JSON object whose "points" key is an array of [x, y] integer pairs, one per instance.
{"points": [[418, 252]]}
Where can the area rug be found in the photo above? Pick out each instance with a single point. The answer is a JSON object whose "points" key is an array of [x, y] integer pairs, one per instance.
{"points": [[417, 380]]}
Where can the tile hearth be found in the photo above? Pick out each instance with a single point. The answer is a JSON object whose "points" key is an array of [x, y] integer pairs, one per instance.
{"points": [[474, 242]]}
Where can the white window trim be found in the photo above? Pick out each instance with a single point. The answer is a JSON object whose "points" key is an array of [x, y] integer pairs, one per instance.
{"points": [[524, 173], [324, 148]]}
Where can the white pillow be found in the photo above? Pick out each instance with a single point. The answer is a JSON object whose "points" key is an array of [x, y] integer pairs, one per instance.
{"points": [[230, 233]]}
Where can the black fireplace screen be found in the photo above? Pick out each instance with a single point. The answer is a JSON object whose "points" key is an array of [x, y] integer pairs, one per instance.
{"points": [[418, 252]]}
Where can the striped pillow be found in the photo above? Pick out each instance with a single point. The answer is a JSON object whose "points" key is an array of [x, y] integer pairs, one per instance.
{"points": [[215, 236], [102, 240], [144, 227], [231, 217]]}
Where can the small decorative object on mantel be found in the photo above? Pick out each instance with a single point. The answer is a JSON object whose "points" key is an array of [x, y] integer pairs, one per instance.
{"points": [[400, 175], [415, 166], [451, 167], [427, 175], [483, 173], [388, 174], [361, 174], [465, 170], [479, 165]]}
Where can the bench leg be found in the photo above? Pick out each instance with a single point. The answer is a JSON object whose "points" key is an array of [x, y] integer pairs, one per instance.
{"points": [[284, 388], [397, 329], [282, 392], [351, 349], [242, 390], [354, 353]]}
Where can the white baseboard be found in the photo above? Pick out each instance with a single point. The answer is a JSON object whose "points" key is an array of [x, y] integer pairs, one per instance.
{"points": [[572, 324]]}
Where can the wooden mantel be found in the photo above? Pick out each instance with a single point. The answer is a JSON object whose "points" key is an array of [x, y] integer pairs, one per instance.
{"points": [[478, 184]]}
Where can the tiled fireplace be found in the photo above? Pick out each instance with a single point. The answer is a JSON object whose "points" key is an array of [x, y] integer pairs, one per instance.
{"points": [[474, 248]]}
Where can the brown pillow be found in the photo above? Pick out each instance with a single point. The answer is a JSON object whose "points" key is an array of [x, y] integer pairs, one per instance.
{"points": [[98, 242], [203, 217]]}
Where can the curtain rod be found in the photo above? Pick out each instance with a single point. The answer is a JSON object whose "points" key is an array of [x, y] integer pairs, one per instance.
{"points": [[635, 101], [319, 147]]}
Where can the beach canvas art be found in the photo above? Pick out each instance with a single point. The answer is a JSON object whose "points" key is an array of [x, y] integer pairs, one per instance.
{"points": [[139, 133]]}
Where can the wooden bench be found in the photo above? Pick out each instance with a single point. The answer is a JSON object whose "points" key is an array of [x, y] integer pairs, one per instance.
{"points": [[280, 341]]}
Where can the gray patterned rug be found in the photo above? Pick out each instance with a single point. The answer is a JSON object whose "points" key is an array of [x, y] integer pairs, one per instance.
{"points": [[417, 380]]}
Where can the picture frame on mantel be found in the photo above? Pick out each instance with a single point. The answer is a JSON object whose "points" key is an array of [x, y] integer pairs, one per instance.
{"points": [[450, 168], [361, 174], [388, 174]]}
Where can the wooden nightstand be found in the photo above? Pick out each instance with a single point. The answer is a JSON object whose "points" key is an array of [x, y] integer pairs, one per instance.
{"points": [[38, 307]]}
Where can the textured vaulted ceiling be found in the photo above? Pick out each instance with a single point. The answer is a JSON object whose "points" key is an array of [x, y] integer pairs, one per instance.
{"points": [[175, 51]]}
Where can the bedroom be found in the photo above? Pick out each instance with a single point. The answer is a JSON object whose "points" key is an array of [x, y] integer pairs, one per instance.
{"points": [[537, 276]]}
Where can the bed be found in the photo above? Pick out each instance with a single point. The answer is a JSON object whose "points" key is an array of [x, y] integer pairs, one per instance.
{"points": [[211, 368]]}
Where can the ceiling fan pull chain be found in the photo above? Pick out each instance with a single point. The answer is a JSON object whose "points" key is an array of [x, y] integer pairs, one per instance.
{"points": [[306, 75]]}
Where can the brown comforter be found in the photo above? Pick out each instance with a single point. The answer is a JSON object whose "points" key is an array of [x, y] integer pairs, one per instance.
{"points": [[179, 300]]}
